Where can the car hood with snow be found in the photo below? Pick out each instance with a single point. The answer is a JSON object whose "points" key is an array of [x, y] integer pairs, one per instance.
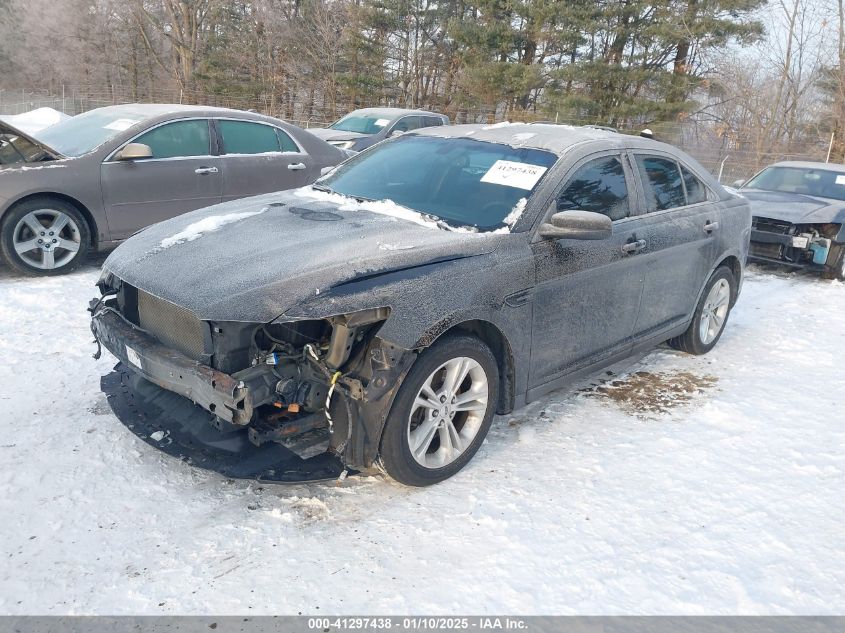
{"points": [[254, 259], [794, 208], [36, 120]]}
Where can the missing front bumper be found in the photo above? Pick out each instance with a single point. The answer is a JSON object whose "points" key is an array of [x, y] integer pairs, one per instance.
{"points": [[216, 392], [173, 424]]}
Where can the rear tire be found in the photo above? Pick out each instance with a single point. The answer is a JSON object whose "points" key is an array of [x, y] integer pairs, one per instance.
{"points": [[711, 314], [835, 269], [442, 412], [44, 236]]}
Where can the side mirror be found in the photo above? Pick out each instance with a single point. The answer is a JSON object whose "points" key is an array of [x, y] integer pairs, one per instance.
{"points": [[134, 151], [325, 171], [577, 225], [736, 184], [396, 133]]}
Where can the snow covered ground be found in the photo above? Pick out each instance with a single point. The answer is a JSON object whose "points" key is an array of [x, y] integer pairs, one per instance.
{"points": [[698, 485]]}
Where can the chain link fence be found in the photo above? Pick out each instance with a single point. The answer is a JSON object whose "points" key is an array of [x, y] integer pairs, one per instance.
{"points": [[727, 158]]}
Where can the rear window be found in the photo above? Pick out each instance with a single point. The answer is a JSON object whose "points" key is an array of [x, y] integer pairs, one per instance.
{"points": [[696, 191], [244, 137], [662, 182]]}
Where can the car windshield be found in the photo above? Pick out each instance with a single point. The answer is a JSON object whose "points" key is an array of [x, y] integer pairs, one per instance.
{"points": [[460, 180], [824, 183], [80, 134], [362, 124]]}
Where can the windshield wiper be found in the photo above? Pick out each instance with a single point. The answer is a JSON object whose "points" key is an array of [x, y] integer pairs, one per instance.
{"points": [[325, 189]]}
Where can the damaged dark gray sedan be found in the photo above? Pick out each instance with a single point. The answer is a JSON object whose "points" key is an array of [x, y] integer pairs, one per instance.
{"points": [[392, 308], [799, 216]]}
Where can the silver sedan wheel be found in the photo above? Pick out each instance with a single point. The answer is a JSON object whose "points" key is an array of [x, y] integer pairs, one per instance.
{"points": [[715, 311], [46, 239], [447, 412]]}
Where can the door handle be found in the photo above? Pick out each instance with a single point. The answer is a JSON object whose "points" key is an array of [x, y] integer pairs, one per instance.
{"points": [[709, 226], [634, 247], [206, 170], [296, 166]]}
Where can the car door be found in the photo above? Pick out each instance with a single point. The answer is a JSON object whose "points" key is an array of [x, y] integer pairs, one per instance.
{"points": [[181, 176], [587, 294], [680, 226], [259, 158]]}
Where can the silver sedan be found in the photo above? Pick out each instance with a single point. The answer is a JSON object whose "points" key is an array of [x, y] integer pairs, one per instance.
{"points": [[92, 181]]}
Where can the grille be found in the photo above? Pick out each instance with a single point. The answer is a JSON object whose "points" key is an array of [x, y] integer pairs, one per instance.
{"points": [[772, 226], [772, 251], [173, 325]]}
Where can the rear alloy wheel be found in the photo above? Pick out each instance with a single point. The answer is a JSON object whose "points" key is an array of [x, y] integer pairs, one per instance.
{"points": [[44, 237], [442, 412], [710, 316]]}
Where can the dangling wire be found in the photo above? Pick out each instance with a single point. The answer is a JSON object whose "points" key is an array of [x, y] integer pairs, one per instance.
{"points": [[332, 384]]}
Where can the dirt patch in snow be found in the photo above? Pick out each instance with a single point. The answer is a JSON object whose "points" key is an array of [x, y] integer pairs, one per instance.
{"points": [[643, 392]]}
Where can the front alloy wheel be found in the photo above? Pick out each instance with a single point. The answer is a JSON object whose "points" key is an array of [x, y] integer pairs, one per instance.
{"points": [[46, 239], [44, 236], [447, 412], [442, 411]]}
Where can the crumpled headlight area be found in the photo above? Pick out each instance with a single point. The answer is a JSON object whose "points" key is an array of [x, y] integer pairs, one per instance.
{"points": [[299, 361]]}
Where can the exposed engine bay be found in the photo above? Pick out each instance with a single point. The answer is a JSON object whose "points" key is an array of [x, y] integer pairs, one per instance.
{"points": [[798, 245], [276, 380]]}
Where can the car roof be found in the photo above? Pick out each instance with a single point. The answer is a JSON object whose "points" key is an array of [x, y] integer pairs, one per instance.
{"points": [[392, 112], [549, 137], [806, 164], [156, 110]]}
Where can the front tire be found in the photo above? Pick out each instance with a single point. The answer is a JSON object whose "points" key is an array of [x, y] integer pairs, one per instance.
{"points": [[711, 314], [442, 412], [835, 269], [44, 236]]}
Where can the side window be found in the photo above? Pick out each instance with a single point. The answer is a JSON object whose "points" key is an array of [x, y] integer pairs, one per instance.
{"points": [[662, 182], [244, 137], [432, 121], [286, 142], [178, 139], [696, 191], [598, 186], [408, 123]]}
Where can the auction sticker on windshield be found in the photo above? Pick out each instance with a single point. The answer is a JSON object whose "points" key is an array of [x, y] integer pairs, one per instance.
{"points": [[120, 125], [511, 174]]}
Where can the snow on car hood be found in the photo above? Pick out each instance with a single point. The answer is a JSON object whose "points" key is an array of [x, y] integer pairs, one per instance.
{"points": [[253, 259], [795, 208]]}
